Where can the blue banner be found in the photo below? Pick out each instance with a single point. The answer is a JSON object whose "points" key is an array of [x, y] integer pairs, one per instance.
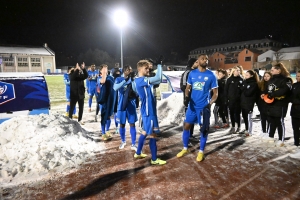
{"points": [[17, 94]]}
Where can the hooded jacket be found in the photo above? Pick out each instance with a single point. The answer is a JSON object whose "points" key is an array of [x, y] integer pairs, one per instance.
{"points": [[249, 94], [295, 99], [278, 87], [233, 90]]}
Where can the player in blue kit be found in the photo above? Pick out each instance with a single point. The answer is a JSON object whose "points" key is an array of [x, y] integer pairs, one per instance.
{"points": [[92, 82], [106, 98], [67, 83], [126, 105], [201, 81], [144, 86]]}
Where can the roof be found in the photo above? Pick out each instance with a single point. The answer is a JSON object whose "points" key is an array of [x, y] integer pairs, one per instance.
{"points": [[20, 74], [26, 50], [289, 50], [249, 42]]}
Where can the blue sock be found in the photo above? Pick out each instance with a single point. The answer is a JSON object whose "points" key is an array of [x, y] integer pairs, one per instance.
{"points": [[133, 134], [116, 123], [74, 112], [68, 108], [153, 148], [203, 141], [103, 129], [122, 134], [90, 102], [140, 144], [185, 138], [108, 124]]}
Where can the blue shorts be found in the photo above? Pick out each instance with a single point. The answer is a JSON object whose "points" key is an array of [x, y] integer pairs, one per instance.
{"points": [[150, 124], [193, 116], [129, 113]]}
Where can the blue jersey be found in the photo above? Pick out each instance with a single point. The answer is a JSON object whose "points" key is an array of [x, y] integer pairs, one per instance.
{"points": [[121, 94], [92, 77], [67, 83], [144, 90], [202, 83]]}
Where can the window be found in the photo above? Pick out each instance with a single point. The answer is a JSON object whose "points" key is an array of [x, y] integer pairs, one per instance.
{"points": [[35, 62], [246, 51], [248, 58], [22, 62], [268, 59], [215, 60], [267, 44], [256, 45], [8, 61]]}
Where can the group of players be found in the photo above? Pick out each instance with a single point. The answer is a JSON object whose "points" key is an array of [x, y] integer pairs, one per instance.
{"points": [[239, 91], [118, 94]]}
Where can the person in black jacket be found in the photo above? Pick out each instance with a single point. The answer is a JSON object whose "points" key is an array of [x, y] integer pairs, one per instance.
{"points": [[220, 109], [77, 89], [295, 114], [248, 98], [191, 65], [279, 88], [265, 125], [232, 92]]}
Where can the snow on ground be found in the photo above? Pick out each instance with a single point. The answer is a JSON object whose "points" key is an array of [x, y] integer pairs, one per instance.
{"points": [[171, 109], [33, 146]]}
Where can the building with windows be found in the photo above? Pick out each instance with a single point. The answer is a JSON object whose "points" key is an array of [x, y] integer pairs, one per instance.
{"points": [[239, 53], [27, 59], [289, 56]]}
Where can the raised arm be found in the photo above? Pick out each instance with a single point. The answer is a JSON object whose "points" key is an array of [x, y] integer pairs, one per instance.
{"points": [[158, 76]]}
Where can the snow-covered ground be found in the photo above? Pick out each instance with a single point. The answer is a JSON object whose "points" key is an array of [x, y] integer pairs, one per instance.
{"points": [[36, 147]]}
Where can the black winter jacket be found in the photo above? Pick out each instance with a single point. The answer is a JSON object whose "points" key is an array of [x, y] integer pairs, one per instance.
{"points": [[280, 88], [221, 97], [77, 88], [295, 99], [233, 90], [249, 94]]}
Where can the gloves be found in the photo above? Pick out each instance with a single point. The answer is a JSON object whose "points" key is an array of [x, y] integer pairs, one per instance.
{"points": [[159, 60], [186, 101], [132, 75]]}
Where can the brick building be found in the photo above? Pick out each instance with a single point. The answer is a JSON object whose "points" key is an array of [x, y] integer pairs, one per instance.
{"points": [[240, 53]]}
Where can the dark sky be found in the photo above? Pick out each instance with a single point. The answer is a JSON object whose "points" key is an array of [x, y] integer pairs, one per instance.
{"points": [[71, 27]]}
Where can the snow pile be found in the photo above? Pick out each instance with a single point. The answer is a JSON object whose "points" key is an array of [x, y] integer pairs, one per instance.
{"points": [[32, 146], [171, 109]]}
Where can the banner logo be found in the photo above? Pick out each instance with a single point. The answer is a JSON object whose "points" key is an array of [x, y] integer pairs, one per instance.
{"points": [[7, 92]]}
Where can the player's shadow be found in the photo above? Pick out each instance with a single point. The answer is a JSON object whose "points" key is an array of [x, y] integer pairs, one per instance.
{"points": [[102, 183], [230, 144]]}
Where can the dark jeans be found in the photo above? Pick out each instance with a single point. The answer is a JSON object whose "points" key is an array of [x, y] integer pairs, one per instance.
{"points": [[73, 102], [296, 127]]}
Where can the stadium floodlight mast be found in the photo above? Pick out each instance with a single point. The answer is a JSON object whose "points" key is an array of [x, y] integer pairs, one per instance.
{"points": [[121, 20]]}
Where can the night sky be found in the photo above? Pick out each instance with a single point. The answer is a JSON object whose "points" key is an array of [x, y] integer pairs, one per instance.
{"points": [[157, 27]]}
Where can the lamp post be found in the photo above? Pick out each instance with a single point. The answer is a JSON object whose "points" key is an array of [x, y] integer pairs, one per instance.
{"points": [[121, 20]]}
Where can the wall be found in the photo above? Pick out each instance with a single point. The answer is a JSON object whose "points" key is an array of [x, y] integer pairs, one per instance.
{"points": [[247, 64], [216, 61]]}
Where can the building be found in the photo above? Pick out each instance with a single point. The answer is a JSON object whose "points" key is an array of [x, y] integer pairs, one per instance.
{"points": [[239, 53], [290, 57], [27, 59]]}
